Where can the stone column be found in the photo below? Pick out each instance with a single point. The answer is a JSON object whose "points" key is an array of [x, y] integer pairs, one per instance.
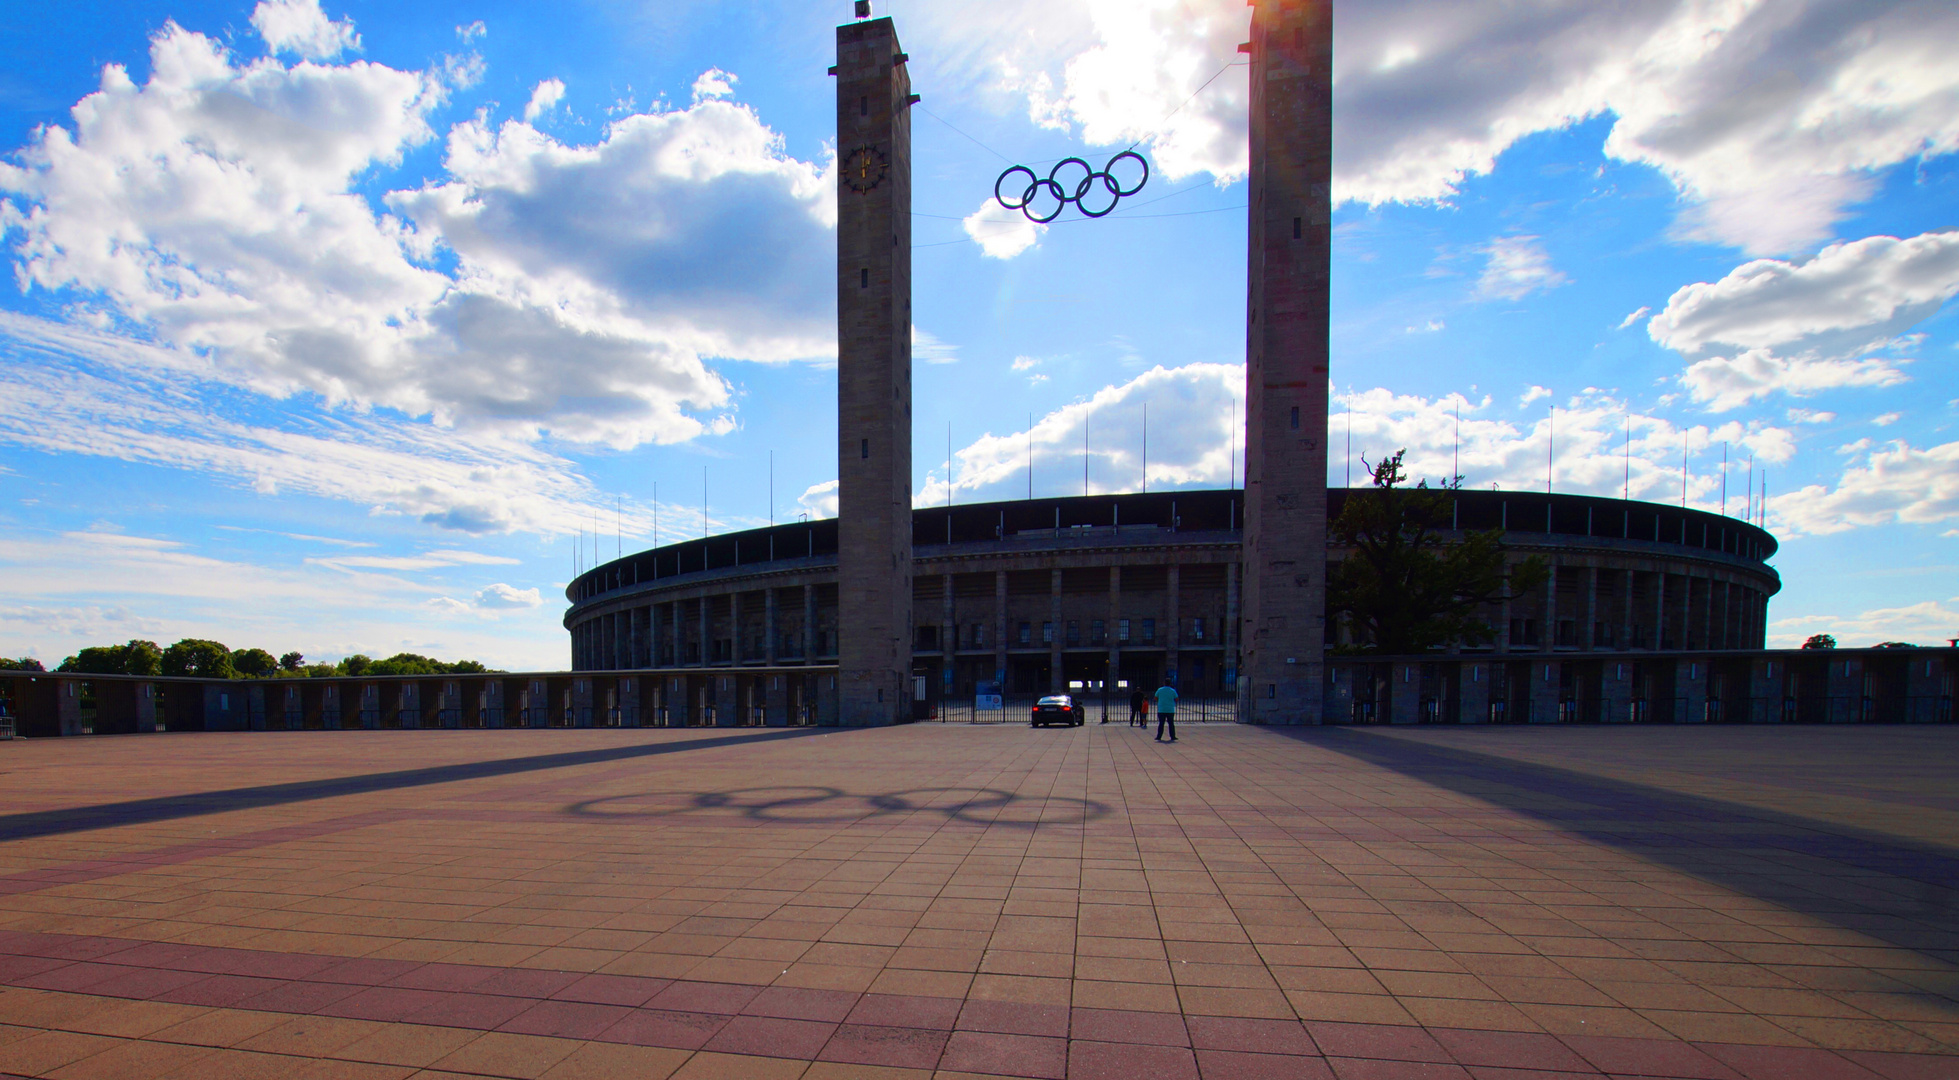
{"points": [[1503, 620], [770, 628], [1231, 627], [1000, 628], [1173, 640], [1588, 633], [1057, 678], [948, 636], [1289, 260], [1473, 684], [1115, 638], [874, 527], [1701, 590], [1626, 612], [1659, 609], [809, 624], [705, 617], [1549, 635]]}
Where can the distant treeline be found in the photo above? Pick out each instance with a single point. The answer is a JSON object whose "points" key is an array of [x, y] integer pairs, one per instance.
{"points": [[211, 660]]}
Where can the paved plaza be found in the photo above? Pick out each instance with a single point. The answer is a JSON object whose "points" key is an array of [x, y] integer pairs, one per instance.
{"points": [[945, 901]]}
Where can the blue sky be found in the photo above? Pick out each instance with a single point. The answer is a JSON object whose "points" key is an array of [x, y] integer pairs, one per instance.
{"points": [[337, 328]]}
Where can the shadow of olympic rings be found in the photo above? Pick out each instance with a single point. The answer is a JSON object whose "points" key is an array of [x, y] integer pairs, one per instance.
{"points": [[808, 804]]}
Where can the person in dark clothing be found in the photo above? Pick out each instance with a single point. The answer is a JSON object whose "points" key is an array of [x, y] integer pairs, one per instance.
{"points": [[1137, 702]]}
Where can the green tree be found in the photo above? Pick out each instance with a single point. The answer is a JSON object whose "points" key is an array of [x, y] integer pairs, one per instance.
{"points": [[467, 667], [1820, 641], [254, 663], [25, 663], [135, 658], [356, 665], [94, 660], [198, 657], [407, 663], [142, 658], [292, 661], [1404, 587]]}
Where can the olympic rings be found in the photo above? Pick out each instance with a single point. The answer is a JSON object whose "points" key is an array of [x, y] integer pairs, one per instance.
{"points": [[1038, 188]]}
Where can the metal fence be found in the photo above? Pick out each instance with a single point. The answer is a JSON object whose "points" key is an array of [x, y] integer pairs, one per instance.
{"points": [[1019, 709]]}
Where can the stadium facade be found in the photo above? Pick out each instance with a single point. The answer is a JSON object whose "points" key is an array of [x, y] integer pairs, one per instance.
{"points": [[1103, 593]]}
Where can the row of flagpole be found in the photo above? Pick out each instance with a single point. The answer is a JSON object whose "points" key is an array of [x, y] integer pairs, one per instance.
{"points": [[1755, 512]]}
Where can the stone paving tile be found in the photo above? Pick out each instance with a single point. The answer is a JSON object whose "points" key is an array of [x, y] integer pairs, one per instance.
{"points": [[898, 904]]}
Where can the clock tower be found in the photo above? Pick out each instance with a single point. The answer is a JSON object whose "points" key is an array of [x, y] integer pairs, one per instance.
{"points": [[874, 551]]}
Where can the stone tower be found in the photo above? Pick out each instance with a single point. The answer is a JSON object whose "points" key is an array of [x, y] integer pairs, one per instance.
{"points": [[1289, 241], [874, 552]]}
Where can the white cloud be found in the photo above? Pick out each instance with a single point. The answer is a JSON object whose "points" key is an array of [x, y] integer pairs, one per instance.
{"points": [[1433, 326], [1634, 317], [426, 561], [142, 586], [300, 27], [1602, 446], [1001, 233], [820, 500], [471, 32], [714, 83], [928, 348], [1024, 363], [543, 99], [1928, 622], [1849, 297], [1803, 327], [1887, 419], [1190, 421], [1517, 267], [590, 283], [504, 597], [1729, 382], [1807, 416], [1879, 485], [1769, 118], [1195, 408], [70, 391], [1533, 393]]}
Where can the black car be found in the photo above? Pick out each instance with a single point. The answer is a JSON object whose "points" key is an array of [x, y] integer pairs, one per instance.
{"points": [[1059, 709]]}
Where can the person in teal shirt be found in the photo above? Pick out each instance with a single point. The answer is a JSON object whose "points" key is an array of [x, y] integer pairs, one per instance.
{"points": [[1166, 712]]}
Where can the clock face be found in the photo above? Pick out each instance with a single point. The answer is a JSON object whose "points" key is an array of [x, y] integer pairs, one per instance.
{"points": [[864, 168]]}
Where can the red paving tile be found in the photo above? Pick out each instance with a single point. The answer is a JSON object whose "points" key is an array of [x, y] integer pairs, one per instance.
{"points": [[1810, 1063], [564, 1019], [1257, 1035], [628, 990], [893, 1010], [896, 1047], [800, 1003], [481, 1012], [1128, 1026], [704, 997], [1236, 1065], [1684, 903], [1373, 1069], [770, 1036], [1015, 1018], [1649, 1057], [675, 1030], [1006, 1055], [1388, 1042], [1510, 1049], [1126, 1061]]}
